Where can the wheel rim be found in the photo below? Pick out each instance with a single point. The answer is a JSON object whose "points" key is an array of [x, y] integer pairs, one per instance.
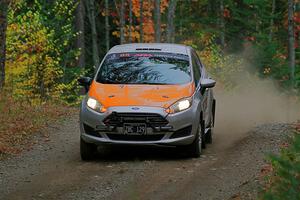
{"points": [[199, 138]]}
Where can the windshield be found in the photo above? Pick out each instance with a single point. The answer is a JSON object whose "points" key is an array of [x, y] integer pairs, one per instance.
{"points": [[145, 68]]}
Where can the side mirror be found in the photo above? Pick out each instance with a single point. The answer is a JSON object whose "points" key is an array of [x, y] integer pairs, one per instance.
{"points": [[85, 82], [207, 83]]}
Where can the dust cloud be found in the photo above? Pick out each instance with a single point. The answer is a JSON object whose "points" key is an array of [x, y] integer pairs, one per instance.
{"points": [[253, 103]]}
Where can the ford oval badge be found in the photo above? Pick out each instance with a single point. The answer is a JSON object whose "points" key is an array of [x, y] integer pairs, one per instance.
{"points": [[135, 108]]}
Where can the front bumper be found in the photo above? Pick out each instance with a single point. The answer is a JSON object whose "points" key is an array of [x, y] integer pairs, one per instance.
{"points": [[164, 142], [177, 129]]}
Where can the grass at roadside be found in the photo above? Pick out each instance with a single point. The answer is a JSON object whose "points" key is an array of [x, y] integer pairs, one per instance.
{"points": [[20, 120]]}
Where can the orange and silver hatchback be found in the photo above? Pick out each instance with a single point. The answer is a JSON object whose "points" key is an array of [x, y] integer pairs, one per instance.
{"points": [[148, 94]]}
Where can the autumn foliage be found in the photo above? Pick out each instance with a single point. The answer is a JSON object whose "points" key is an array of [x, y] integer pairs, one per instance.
{"points": [[35, 49]]}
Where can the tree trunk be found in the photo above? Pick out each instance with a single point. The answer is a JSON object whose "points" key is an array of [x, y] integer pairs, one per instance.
{"points": [[272, 20], [130, 20], [3, 26], [222, 24], [80, 42], [157, 19], [122, 22], [170, 25], [209, 6], [291, 39], [91, 16], [107, 26], [141, 21]]}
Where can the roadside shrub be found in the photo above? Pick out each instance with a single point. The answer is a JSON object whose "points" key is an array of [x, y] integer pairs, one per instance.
{"points": [[40, 54], [31, 69], [284, 182]]}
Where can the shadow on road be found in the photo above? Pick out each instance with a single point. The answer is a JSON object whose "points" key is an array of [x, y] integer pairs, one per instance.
{"points": [[139, 153]]}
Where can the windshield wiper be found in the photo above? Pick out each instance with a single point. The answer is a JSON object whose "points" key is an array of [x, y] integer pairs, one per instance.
{"points": [[147, 83], [106, 81], [109, 82]]}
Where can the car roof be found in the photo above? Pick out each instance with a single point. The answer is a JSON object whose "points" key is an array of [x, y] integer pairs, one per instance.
{"points": [[151, 47]]}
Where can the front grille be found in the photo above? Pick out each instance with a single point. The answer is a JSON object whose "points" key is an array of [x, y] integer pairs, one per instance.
{"points": [[135, 137], [182, 132], [118, 119]]}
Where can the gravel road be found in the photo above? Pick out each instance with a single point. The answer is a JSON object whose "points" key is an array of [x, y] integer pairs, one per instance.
{"points": [[53, 169]]}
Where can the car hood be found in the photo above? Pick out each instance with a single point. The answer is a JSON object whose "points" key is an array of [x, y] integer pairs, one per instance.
{"points": [[110, 95]]}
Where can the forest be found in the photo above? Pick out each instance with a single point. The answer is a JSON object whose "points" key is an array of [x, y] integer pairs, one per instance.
{"points": [[46, 45]]}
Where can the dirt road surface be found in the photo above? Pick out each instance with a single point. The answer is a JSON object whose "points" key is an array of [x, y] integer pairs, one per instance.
{"points": [[247, 128], [53, 169]]}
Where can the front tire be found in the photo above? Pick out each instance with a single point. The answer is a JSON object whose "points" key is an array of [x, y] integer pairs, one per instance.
{"points": [[208, 136], [195, 149], [87, 150]]}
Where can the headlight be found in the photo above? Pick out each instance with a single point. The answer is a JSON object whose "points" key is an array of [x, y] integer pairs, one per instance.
{"points": [[180, 105], [95, 105]]}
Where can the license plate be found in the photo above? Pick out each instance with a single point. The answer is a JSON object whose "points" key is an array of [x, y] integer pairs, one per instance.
{"points": [[135, 129]]}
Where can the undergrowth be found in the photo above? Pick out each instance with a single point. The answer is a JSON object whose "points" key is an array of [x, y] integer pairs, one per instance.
{"points": [[283, 181]]}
